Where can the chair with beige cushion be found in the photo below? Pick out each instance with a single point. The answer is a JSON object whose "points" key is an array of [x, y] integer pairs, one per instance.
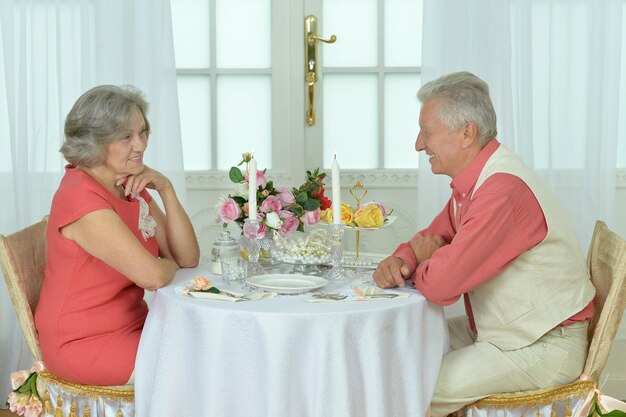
{"points": [[23, 260], [607, 265]]}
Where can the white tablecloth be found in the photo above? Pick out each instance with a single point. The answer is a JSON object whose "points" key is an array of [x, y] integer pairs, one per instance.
{"points": [[284, 357]]}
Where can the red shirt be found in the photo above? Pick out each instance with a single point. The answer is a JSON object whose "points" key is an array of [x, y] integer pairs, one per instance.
{"points": [[89, 316], [486, 232]]}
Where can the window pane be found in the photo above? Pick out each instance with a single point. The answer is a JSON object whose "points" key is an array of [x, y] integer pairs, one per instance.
{"points": [[355, 24], [243, 33], [190, 21], [350, 107], [195, 120], [403, 33], [401, 120], [244, 119]]}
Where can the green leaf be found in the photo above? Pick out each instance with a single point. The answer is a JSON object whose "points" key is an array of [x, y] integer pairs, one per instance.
{"points": [[239, 200], [33, 385], [301, 198], [212, 290], [311, 204], [614, 413], [25, 388], [235, 175]]}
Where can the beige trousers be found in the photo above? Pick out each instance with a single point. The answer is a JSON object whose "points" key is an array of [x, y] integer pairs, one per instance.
{"points": [[473, 370]]}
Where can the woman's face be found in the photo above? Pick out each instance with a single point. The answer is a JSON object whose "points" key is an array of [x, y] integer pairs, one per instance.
{"points": [[124, 156]]}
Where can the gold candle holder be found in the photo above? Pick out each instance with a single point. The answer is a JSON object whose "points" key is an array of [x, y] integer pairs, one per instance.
{"points": [[358, 191]]}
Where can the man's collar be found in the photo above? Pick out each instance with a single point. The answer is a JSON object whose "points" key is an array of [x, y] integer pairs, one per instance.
{"points": [[466, 179]]}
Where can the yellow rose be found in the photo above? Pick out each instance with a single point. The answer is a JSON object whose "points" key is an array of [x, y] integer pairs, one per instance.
{"points": [[346, 214], [369, 216], [327, 215]]}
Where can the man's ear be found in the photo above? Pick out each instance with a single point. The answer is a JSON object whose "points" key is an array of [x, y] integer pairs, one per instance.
{"points": [[470, 135]]}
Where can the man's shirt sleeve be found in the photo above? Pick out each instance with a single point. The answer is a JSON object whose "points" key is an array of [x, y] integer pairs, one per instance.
{"points": [[441, 225]]}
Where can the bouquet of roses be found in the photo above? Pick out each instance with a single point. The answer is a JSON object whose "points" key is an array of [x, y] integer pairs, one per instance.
{"points": [[372, 214], [278, 208], [25, 400]]}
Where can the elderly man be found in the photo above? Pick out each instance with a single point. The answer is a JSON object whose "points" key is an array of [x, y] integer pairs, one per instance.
{"points": [[505, 244]]}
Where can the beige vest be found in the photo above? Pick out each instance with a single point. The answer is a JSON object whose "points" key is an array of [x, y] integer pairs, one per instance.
{"points": [[543, 286]]}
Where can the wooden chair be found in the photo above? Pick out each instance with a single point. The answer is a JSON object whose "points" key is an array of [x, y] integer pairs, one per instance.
{"points": [[607, 265], [23, 260]]}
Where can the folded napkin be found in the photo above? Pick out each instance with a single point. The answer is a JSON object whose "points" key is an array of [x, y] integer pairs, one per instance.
{"points": [[228, 295], [356, 294], [202, 287]]}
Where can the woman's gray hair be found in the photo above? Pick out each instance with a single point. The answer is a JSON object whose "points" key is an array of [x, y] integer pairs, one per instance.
{"points": [[464, 98], [100, 116]]}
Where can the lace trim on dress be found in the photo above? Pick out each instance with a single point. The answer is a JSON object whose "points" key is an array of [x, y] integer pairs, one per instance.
{"points": [[147, 224]]}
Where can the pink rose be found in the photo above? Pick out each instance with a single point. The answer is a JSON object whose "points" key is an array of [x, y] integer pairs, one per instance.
{"points": [[311, 217], [246, 156], [261, 181], [249, 233], [229, 211], [382, 207], [17, 402], [285, 195], [201, 284], [271, 203], [33, 408], [18, 378], [290, 225]]}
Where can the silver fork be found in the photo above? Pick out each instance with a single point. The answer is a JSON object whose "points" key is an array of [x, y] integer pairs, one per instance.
{"points": [[330, 296]]}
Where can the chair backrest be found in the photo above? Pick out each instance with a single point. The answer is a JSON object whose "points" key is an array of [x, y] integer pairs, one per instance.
{"points": [[607, 265], [23, 257]]}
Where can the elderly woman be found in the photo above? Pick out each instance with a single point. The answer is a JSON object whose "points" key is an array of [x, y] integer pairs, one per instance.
{"points": [[108, 241]]}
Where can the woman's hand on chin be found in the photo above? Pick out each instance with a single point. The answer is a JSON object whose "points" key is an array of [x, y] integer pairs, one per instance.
{"points": [[148, 178]]}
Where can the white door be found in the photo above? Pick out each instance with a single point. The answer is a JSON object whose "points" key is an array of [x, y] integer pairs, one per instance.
{"points": [[241, 71]]}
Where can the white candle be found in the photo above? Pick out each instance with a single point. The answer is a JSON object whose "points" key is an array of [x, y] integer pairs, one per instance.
{"points": [[336, 184], [252, 186]]}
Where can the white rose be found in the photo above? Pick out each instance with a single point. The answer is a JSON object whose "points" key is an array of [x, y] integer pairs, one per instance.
{"points": [[273, 220], [242, 189]]}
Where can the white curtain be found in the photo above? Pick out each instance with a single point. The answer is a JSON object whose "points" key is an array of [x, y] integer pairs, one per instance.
{"points": [[51, 52], [555, 70]]}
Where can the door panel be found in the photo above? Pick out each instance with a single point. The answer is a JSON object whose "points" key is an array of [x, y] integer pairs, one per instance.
{"points": [[366, 110]]}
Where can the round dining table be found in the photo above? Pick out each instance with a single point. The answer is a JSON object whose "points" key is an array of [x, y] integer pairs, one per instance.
{"points": [[285, 357]]}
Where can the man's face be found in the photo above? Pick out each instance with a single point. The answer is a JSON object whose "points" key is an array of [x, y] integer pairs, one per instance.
{"points": [[442, 146]]}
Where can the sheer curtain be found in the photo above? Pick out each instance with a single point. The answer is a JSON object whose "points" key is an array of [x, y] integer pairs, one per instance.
{"points": [[554, 71], [51, 52]]}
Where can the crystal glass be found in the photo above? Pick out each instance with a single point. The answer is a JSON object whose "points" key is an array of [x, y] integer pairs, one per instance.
{"points": [[337, 272], [251, 243], [234, 269], [305, 251]]}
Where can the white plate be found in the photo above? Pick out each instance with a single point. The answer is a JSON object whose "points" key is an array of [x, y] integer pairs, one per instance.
{"points": [[287, 283]]}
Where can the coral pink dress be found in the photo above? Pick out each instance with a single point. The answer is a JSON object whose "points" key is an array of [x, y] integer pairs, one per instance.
{"points": [[90, 316]]}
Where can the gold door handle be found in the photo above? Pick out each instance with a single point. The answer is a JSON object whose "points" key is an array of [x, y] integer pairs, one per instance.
{"points": [[310, 57], [312, 38]]}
